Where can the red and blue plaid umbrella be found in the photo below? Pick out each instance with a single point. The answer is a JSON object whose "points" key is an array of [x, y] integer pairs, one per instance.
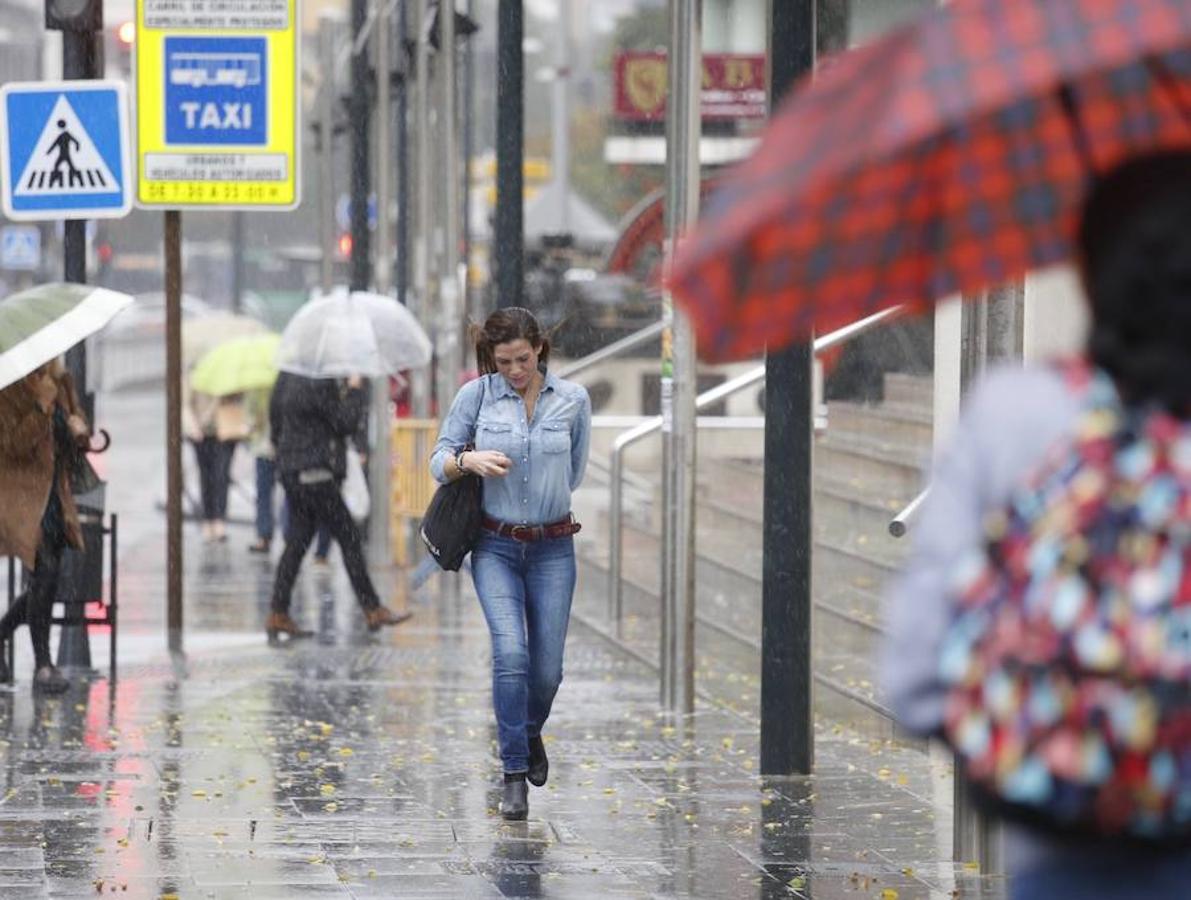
{"points": [[948, 157]]}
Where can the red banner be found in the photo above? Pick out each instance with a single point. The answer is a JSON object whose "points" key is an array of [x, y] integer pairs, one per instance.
{"points": [[733, 86]]}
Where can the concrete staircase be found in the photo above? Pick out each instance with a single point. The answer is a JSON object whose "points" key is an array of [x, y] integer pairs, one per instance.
{"points": [[868, 466]]}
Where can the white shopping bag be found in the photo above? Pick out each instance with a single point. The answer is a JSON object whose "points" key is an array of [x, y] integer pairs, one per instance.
{"points": [[355, 488]]}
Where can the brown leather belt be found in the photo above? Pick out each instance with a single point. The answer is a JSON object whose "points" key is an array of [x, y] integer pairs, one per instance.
{"points": [[562, 528]]}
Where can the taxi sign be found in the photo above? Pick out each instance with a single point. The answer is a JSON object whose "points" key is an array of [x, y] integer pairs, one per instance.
{"points": [[217, 104]]}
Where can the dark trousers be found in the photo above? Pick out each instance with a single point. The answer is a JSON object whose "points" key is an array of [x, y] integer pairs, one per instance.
{"points": [[309, 506], [35, 606], [265, 479], [215, 469]]}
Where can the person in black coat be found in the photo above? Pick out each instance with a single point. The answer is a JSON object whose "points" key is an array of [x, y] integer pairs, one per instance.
{"points": [[311, 420]]}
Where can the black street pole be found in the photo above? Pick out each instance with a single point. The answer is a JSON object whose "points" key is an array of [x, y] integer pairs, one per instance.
{"points": [[787, 728], [509, 240], [79, 61], [358, 110], [469, 75], [401, 260]]}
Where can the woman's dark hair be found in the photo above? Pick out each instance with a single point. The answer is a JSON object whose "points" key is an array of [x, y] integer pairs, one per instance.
{"points": [[504, 325], [1135, 257]]}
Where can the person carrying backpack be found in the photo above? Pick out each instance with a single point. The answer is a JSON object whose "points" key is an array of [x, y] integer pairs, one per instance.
{"points": [[1042, 625]]}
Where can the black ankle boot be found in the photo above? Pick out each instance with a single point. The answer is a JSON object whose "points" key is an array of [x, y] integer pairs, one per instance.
{"points": [[539, 765], [5, 675], [514, 805]]}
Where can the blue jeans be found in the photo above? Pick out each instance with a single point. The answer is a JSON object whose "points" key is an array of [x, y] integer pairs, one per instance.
{"points": [[525, 590], [266, 477]]}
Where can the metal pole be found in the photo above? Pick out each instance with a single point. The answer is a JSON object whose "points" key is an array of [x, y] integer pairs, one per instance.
{"points": [[237, 260], [358, 112], [326, 128], [420, 378], [401, 268], [379, 464], [74, 649], [678, 387], [509, 240], [173, 429], [450, 325], [560, 143], [469, 86], [616, 547], [787, 736], [383, 265]]}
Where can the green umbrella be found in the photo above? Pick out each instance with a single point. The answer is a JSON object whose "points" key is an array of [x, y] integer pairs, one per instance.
{"points": [[44, 322], [237, 365]]}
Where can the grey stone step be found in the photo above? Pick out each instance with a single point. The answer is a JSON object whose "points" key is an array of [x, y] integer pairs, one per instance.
{"points": [[910, 390], [728, 659], [871, 464], [898, 423], [730, 595]]}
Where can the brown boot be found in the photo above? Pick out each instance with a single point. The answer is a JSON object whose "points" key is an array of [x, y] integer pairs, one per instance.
{"points": [[379, 616], [281, 623]]}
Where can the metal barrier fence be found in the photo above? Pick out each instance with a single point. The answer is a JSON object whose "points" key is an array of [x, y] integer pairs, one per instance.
{"points": [[411, 485]]}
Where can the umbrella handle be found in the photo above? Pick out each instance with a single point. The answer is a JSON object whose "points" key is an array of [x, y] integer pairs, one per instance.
{"points": [[107, 442]]}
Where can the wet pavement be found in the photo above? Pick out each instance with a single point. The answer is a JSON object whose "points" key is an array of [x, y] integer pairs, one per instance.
{"points": [[364, 766]]}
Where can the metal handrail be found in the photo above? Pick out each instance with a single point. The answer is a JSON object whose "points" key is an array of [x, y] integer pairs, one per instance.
{"points": [[651, 426], [636, 339], [901, 522]]}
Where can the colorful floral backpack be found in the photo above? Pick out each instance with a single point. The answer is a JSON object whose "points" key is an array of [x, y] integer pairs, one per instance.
{"points": [[1068, 657]]}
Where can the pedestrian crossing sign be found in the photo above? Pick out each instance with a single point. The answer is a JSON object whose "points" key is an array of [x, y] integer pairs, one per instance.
{"points": [[64, 150]]}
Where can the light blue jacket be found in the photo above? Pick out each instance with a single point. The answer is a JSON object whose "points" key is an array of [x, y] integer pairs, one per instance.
{"points": [[549, 454]]}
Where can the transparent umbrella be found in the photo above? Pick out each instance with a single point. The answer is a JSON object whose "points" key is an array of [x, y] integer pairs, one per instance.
{"points": [[358, 333]]}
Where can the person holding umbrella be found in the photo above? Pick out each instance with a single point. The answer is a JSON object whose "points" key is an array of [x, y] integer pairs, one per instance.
{"points": [[43, 434], [42, 427], [318, 402], [311, 421], [1040, 625]]}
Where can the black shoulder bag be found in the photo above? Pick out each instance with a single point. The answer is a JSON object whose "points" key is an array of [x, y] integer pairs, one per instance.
{"points": [[452, 522]]}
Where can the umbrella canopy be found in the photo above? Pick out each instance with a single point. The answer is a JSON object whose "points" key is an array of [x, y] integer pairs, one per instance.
{"points": [[950, 156], [202, 334], [347, 334], [44, 322], [238, 365]]}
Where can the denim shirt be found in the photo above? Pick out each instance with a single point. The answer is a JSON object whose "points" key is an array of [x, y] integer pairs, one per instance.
{"points": [[549, 453]]}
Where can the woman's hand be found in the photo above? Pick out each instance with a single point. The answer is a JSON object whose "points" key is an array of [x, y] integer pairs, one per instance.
{"points": [[78, 429], [486, 463]]}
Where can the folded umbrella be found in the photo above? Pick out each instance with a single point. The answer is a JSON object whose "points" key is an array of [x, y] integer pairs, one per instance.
{"points": [[237, 365], [44, 322], [358, 333], [951, 156]]}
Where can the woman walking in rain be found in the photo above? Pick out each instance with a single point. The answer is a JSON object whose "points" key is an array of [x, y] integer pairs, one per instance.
{"points": [[311, 421], [42, 429], [1041, 621], [525, 432]]}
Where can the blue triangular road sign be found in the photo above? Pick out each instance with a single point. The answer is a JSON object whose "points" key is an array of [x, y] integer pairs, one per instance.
{"points": [[64, 150]]}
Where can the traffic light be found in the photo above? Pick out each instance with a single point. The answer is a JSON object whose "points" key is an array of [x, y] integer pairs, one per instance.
{"points": [[126, 34], [345, 245], [74, 15]]}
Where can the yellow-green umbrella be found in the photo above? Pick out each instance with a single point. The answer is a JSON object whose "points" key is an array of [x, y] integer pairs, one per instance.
{"points": [[237, 365]]}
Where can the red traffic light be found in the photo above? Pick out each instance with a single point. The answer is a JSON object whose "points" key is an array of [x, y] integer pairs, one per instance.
{"points": [[345, 245], [126, 33]]}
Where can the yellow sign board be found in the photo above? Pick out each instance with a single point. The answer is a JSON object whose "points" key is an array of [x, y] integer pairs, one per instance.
{"points": [[217, 104]]}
